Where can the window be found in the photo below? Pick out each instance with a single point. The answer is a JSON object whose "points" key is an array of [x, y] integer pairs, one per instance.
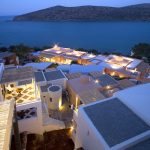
{"points": [[88, 133], [51, 99], [81, 103], [27, 113]]}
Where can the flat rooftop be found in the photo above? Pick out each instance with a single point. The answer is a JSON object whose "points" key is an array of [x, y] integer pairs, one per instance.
{"points": [[86, 89], [144, 145], [137, 98], [100, 58], [91, 95], [6, 119], [39, 66], [115, 121], [106, 80], [57, 50], [73, 75], [17, 74], [47, 55], [142, 67], [95, 61], [45, 88], [95, 74], [54, 75], [39, 76], [119, 60], [74, 54], [6, 54], [130, 63], [24, 82], [126, 83], [88, 56]]}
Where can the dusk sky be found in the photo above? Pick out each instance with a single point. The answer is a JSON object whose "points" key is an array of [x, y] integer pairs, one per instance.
{"points": [[15, 7]]}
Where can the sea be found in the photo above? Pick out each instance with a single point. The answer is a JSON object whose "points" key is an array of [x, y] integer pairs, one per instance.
{"points": [[102, 36]]}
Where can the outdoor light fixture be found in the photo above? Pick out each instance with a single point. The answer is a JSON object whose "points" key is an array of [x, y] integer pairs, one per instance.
{"points": [[61, 108], [71, 128], [108, 87], [60, 104], [113, 74], [96, 81], [56, 47]]}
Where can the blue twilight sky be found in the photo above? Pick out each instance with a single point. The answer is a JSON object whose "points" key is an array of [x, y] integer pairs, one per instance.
{"points": [[15, 7]]}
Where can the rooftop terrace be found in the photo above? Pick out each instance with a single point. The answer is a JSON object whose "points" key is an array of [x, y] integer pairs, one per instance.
{"points": [[57, 50], [106, 80], [86, 89], [17, 74], [74, 53], [25, 93], [130, 63]]}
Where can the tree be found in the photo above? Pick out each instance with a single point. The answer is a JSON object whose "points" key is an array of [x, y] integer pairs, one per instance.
{"points": [[141, 50], [20, 50], [94, 51], [81, 49], [3, 49], [74, 62]]}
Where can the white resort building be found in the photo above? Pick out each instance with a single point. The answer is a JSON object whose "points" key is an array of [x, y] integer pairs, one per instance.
{"points": [[119, 122], [121, 66], [65, 55], [37, 95], [102, 100]]}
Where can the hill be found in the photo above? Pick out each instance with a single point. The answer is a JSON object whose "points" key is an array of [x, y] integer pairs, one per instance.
{"points": [[140, 12]]}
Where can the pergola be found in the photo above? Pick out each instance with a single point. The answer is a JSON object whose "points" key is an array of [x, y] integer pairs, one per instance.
{"points": [[19, 84], [6, 119]]}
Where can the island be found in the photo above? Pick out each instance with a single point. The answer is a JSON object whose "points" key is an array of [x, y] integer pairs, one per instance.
{"points": [[139, 12]]}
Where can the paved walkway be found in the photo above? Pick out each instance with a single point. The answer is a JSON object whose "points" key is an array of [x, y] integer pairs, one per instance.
{"points": [[65, 114]]}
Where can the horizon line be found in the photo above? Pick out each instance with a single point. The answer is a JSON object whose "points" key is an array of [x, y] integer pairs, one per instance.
{"points": [[10, 15]]}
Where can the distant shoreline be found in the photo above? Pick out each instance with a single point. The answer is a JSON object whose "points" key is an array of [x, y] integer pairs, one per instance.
{"points": [[89, 50], [139, 12], [10, 18]]}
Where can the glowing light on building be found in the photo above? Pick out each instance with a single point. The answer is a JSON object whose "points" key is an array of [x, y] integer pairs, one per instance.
{"points": [[115, 66], [61, 108], [76, 107], [113, 74], [56, 47], [96, 81], [58, 52], [60, 104], [121, 76], [71, 128], [91, 56], [108, 87]]}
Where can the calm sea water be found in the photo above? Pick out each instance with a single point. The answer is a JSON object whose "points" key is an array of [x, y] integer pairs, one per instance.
{"points": [[103, 36]]}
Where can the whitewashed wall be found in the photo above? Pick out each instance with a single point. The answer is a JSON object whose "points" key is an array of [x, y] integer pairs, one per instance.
{"points": [[86, 136], [32, 125], [60, 82]]}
